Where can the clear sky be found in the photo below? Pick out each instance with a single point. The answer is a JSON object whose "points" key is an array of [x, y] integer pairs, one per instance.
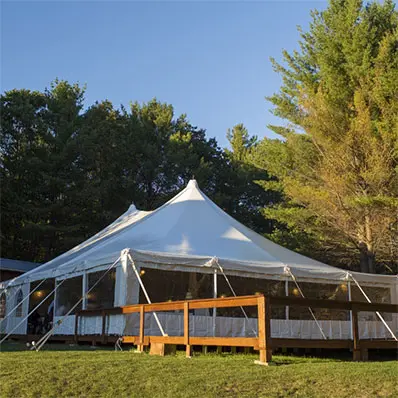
{"points": [[209, 60]]}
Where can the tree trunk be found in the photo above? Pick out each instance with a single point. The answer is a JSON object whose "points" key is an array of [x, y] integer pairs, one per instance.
{"points": [[193, 285], [367, 255], [369, 245], [196, 284], [367, 258], [371, 261], [363, 257]]}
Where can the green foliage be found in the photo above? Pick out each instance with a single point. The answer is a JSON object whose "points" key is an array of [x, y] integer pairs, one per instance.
{"points": [[339, 157], [240, 142], [239, 192], [68, 172]]}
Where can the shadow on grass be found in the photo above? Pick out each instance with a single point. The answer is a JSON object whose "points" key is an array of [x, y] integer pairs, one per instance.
{"points": [[11, 346], [277, 359]]}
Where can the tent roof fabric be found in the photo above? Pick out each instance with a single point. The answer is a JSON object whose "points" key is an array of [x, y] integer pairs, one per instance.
{"points": [[128, 218], [190, 230], [16, 265]]}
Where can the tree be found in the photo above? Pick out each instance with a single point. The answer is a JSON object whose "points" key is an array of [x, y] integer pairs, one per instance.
{"points": [[38, 171], [240, 191], [59, 227], [23, 137], [66, 173], [170, 151], [240, 142], [338, 163], [107, 161]]}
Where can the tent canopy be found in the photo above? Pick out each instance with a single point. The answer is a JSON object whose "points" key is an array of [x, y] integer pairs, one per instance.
{"points": [[189, 230]]}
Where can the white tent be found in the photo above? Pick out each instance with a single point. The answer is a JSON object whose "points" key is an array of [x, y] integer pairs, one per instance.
{"points": [[125, 221], [189, 230], [189, 233]]}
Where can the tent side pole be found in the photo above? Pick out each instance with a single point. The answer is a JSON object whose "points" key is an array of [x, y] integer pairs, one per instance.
{"points": [[137, 274], [287, 295], [55, 300], [350, 299], [26, 297], [84, 290], [40, 343], [394, 300], [309, 308], [377, 312], [215, 293]]}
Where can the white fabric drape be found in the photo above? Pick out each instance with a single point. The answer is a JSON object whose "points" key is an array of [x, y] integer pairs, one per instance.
{"points": [[202, 326]]}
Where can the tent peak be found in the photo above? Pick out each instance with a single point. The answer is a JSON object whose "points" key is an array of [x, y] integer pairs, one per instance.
{"points": [[192, 183], [132, 208]]}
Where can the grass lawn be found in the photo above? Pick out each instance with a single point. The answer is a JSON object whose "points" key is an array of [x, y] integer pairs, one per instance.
{"points": [[76, 372]]}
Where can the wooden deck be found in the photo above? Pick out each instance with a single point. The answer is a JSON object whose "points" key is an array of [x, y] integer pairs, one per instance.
{"points": [[263, 342]]}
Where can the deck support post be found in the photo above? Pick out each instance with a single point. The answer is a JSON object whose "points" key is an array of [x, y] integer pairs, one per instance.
{"points": [[264, 330], [356, 351], [186, 330], [140, 346]]}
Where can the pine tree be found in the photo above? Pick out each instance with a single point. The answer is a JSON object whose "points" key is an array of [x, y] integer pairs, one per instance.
{"points": [[23, 137], [338, 163]]}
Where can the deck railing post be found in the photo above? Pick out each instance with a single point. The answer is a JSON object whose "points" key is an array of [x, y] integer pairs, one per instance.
{"points": [[140, 346], [356, 351], [264, 328], [186, 330], [268, 345]]}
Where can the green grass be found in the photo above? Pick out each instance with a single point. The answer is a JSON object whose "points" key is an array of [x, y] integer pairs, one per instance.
{"points": [[63, 371]]}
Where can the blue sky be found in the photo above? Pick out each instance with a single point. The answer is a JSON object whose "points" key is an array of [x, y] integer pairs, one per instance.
{"points": [[209, 60]]}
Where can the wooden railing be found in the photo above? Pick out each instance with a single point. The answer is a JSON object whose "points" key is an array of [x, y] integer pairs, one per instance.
{"points": [[263, 342]]}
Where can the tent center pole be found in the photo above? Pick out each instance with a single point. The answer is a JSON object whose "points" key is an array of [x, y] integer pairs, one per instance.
{"points": [[350, 299], [287, 295], [215, 293]]}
